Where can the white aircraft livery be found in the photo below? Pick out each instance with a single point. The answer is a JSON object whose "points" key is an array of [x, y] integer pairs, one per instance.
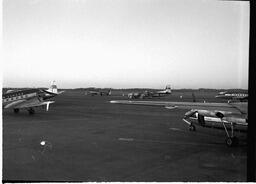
{"points": [[29, 98]]}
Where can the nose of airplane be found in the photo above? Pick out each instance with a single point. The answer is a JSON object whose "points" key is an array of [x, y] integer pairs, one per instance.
{"points": [[189, 113]]}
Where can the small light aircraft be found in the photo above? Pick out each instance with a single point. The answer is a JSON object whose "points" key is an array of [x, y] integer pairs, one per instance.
{"points": [[101, 93], [228, 116], [150, 94], [29, 98]]}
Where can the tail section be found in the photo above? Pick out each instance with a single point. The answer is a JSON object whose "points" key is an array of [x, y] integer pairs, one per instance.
{"points": [[53, 89], [168, 89]]}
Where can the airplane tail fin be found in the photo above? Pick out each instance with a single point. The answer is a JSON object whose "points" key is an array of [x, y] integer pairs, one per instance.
{"points": [[53, 88], [168, 89], [109, 92]]}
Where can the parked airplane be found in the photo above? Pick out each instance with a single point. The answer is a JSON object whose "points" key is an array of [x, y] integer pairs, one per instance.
{"points": [[101, 93], [163, 92], [228, 116], [53, 90], [150, 94], [29, 98], [233, 95]]}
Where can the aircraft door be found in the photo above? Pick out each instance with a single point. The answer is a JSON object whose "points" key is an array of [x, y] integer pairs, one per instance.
{"points": [[201, 120]]}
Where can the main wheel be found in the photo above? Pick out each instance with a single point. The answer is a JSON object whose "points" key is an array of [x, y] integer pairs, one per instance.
{"points": [[232, 141], [192, 128], [229, 142], [31, 111], [16, 110]]}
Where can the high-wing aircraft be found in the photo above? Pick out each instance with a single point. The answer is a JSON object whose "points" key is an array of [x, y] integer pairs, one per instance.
{"points": [[29, 98], [101, 93], [228, 116], [233, 95], [150, 94]]}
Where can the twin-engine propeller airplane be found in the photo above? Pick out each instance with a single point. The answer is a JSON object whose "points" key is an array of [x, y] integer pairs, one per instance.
{"points": [[29, 98], [101, 93], [228, 116], [150, 94]]}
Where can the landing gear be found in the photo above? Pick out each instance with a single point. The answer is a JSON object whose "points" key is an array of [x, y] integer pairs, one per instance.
{"points": [[31, 111], [192, 128], [231, 139], [16, 110]]}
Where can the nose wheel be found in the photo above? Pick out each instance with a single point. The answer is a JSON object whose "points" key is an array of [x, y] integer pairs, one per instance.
{"points": [[192, 128], [31, 111], [232, 141], [16, 110]]}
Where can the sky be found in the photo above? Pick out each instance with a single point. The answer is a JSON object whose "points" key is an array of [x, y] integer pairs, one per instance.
{"points": [[125, 43]]}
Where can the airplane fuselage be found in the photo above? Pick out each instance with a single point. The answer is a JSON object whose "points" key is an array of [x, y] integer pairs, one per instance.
{"points": [[12, 97], [19, 95], [213, 122], [230, 96], [101, 93]]}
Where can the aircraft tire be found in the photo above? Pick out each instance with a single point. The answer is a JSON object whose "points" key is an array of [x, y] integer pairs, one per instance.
{"points": [[232, 141], [229, 142], [31, 111], [16, 110], [192, 128]]}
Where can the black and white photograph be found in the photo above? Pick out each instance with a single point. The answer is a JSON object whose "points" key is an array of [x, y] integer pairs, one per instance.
{"points": [[125, 90]]}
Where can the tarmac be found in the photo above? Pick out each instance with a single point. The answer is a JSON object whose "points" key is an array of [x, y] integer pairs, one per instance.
{"points": [[86, 138]]}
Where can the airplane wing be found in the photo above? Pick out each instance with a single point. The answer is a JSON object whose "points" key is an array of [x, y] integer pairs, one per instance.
{"points": [[234, 108], [32, 102], [14, 104], [10, 91], [36, 104]]}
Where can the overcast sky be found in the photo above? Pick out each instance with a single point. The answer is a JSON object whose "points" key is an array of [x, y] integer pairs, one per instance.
{"points": [[125, 43]]}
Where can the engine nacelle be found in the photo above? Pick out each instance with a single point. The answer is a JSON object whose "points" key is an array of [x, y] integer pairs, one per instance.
{"points": [[219, 115]]}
